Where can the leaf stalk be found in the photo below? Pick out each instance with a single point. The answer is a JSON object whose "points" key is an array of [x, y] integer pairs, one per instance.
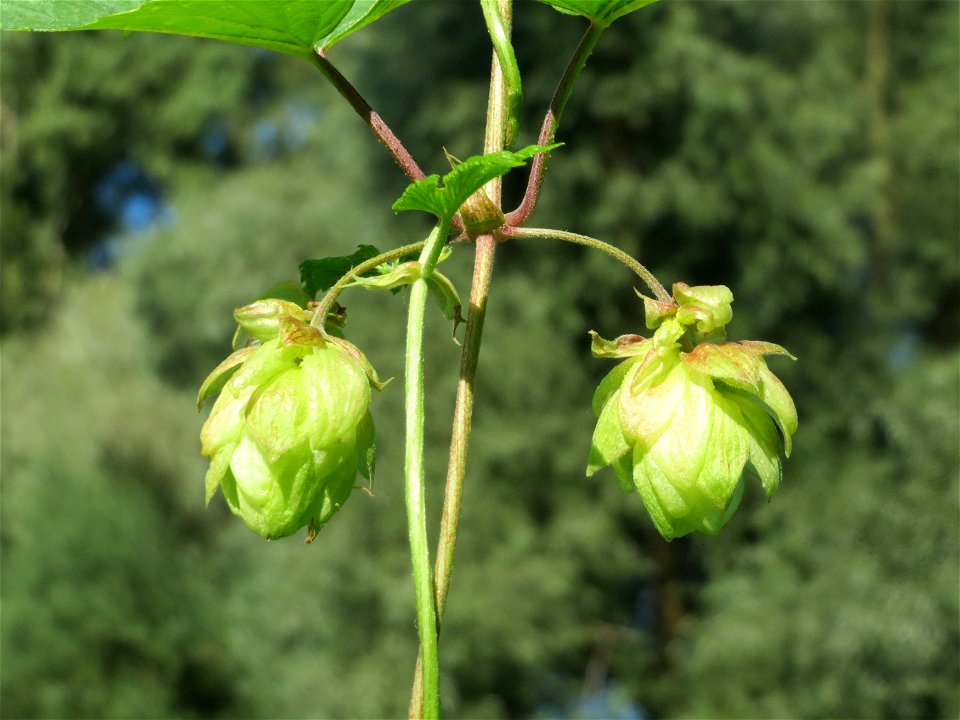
{"points": [[373, 120]]}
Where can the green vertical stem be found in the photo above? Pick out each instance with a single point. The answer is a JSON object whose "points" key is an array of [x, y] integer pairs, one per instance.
{"points": [[463, 412], [415, 475]]}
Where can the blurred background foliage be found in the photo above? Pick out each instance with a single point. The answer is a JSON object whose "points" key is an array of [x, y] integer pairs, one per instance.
{"points": [[805, 154]]}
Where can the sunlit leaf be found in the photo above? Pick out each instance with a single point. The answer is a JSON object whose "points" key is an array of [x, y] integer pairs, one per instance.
{"points": [[600, 12], [361, 14], [293, 27]]}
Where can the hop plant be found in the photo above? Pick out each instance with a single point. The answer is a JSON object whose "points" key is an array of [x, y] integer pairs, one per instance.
{"points": [[290, 427], [688, 416]]}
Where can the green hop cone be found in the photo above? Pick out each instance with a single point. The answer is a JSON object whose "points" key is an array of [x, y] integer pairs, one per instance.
{"points": [[688, 416], [290, 427]]}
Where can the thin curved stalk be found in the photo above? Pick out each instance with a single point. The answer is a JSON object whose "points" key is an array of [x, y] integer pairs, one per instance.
{"points": [[326, 303], [590, 242]]}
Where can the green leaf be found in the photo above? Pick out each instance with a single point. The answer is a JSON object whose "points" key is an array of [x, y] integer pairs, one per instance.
{"points": [[461, 182], [426, 195], [319, 275], [599, 12], [361, 14], [292, 27]]}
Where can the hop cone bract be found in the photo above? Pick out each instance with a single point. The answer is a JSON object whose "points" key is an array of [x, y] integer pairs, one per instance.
{"points": [[688, 416], [289, 429]]}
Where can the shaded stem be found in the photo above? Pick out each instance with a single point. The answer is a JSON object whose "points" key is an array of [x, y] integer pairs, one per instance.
{"points": [[370, 117], [590, 242], [326, 304], [551, 122]]}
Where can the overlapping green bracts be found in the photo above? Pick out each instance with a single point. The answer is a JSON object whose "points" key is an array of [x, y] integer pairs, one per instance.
{"points": [[688, 416], [290, 427]]}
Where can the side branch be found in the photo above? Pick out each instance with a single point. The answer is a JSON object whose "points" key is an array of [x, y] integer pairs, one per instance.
{"points": [[370, 117], [615, 252]]}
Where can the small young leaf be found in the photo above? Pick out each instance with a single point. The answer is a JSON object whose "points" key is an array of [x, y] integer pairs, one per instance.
{"points": [[461, 182], [319, 275], [293, 27], [600, 12], [423, 195], [392, 278]]}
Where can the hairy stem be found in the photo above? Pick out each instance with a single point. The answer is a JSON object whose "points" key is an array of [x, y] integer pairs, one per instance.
{"points": [[463, 417], [551, 122], [500, 37], [415, 475], [590, 242], [326, 304], [370, 117]]}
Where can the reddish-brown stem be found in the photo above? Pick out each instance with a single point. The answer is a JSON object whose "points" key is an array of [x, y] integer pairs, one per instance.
{"points": [[551, 122], [373, 120]]}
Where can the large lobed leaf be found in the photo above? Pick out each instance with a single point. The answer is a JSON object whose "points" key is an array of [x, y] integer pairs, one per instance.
{"points": [[293, 27]]}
